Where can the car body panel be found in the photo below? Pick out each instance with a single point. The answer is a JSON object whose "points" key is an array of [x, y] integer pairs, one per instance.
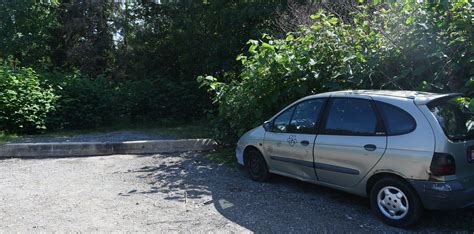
{"points": [[253, 138], [287, 154], [464, 169], [343, 161], [408, 154], [419, 97]]}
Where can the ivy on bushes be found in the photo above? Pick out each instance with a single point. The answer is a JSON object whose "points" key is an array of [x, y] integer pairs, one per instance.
{"points": [[418, 46]]}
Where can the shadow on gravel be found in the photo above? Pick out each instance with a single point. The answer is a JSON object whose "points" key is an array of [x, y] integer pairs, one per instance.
{"points": [[282, 205]]}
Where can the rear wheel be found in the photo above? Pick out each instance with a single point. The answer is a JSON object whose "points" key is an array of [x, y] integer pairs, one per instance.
{"points": [[395, 202], [256, 166]]}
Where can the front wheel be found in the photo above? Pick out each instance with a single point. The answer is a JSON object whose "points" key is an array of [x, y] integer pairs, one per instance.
{"points": [[256, 166], [395, 202]]}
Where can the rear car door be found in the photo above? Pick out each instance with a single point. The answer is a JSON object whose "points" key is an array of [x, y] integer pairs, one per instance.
{"points": [[351, 141], [290, 143]]}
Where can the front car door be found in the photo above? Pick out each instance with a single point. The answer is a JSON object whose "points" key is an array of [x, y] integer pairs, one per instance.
{"points": [[290, 143], [351, 141]]}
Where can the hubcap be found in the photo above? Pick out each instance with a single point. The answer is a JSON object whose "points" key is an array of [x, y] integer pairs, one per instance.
{"points": [[392, 202]]}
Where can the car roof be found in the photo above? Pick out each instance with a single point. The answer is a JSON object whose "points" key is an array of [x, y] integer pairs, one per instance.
{"points": [[419, 97]]}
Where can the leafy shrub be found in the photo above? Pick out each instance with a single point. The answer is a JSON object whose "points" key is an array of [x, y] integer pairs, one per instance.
{"points": [[83, 102], [24, 103], [152, 99], [137, 99], [88, 103], [469, 88], [419, 46], [279, 71], [425, 46]]}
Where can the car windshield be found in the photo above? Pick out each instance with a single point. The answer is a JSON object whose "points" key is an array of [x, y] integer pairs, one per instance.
{"points": [[455, 115]]}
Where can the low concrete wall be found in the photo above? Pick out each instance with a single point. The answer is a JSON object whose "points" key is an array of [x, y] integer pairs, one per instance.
{"points": [[78, 149]]}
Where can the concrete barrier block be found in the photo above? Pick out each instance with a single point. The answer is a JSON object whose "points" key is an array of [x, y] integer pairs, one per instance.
{"points": [[81, 149]]}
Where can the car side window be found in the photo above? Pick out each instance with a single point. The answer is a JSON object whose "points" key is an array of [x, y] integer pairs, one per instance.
{"points": [[283, 120], [396, 120], [306, 115], [351, 116]]}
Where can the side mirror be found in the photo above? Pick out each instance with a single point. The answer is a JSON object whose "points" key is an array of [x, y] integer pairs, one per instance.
{"points": [[268, 126]]}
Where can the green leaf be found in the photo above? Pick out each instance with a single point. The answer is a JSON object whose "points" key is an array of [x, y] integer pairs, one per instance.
{"points": [[333, 20], [289, 37]]}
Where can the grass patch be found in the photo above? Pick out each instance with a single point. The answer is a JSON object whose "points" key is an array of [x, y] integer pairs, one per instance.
{"points": [[7, 137], [179, 130], [185, 131], [224, 156], [163, 127]]}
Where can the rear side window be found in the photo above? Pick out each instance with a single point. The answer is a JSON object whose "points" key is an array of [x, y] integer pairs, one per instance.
{"points": [[455, 117], [396, 120], [351, 116]]}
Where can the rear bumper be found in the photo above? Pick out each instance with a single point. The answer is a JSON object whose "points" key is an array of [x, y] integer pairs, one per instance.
{"points": [[444, 195]]}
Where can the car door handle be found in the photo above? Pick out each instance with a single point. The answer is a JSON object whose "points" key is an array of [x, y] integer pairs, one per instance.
{"points": [[304, 143], [370, 147]]}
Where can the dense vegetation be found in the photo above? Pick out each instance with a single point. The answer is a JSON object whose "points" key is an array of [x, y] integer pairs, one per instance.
{"points": [[424, 46], [82, 64], [24, 104], [127, 60]]}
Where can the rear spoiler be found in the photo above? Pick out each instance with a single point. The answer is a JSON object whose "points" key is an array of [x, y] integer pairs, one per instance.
{"points": [[423, 100]]}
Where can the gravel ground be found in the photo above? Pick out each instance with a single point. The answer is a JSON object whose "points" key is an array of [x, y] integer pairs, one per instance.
{"points": [[117, 136], [179, 192]]}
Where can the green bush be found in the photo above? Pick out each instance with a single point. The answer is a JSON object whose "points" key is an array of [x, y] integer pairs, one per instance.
{"points": [[83, 102], [418, 46], [88, 103], [152, 99], [137, 99], [24, 103]]}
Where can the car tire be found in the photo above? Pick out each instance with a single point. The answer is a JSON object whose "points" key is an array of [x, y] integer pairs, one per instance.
{"points": [[256, 166], [395, 202]]}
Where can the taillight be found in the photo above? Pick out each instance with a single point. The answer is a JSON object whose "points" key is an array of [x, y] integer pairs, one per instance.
{"points": [[470, 154], [443, 165]]}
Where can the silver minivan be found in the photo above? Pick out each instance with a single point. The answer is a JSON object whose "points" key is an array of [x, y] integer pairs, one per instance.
{"points": [[405, 150]]}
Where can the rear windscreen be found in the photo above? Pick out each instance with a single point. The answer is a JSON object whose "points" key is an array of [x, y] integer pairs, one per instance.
{"points": [[455, 116]]}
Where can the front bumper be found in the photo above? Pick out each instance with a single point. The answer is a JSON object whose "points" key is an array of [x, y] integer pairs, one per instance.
{"points": [[239, 154], [444, 195]]}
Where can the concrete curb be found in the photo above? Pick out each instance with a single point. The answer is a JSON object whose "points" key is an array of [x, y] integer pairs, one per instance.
{"points": [[81, 149]]}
